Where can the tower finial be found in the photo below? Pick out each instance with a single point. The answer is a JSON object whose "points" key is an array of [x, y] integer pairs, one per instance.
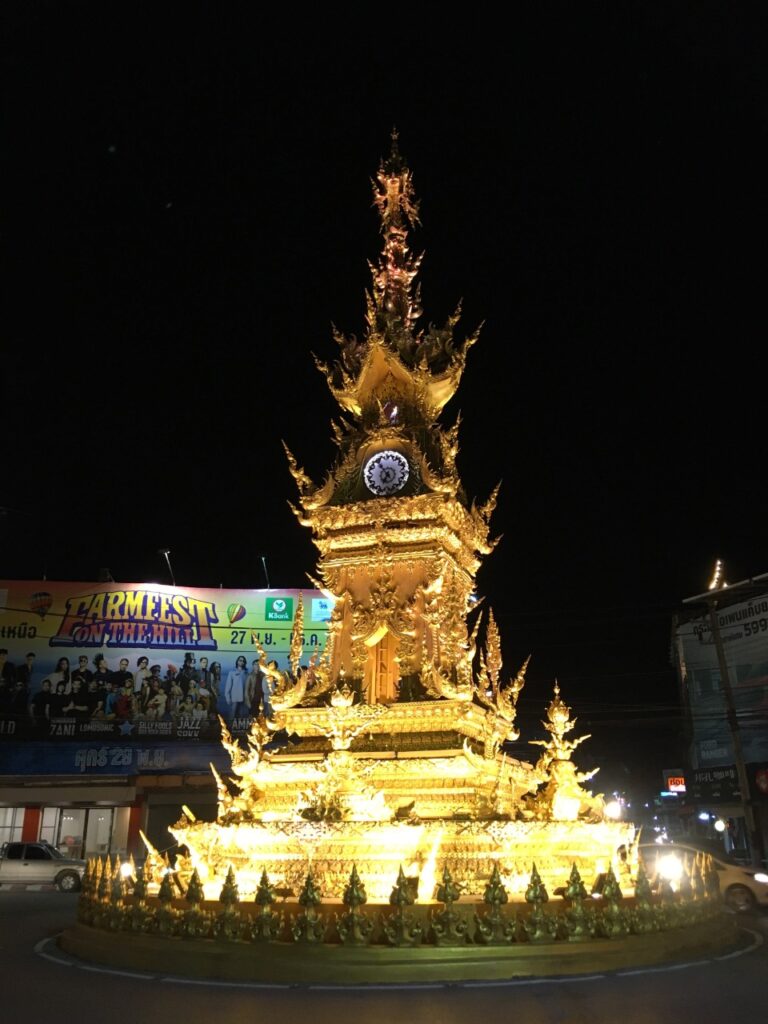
{"points": [[394, 163], [396, 301]]}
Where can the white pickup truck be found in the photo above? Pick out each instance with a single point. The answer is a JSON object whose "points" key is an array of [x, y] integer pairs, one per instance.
{"points": [[35, 863]]}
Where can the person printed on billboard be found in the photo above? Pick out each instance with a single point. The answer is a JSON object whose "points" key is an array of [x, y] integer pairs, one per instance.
{"points": [[78, 703], [94, 698], [234, 690], [82, 672], [26, 671], [124, 704], [141, 674], [175, 697], [253, 688], [7, 671], [102, 675], [59, 699], [142, 697], [203, 693], [61, 675], [214, 681], [111, 693], [156, 702], [18, 700], [267, 689], [40, 707], [188, 673], [203, 672], [122, 675], [184, 715], [200, 711]]}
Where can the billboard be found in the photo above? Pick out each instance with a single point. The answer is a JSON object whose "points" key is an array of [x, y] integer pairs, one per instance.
{"points": [[744, 633], [141, 661]]}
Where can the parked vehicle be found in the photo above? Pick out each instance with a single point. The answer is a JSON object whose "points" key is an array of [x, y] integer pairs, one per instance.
{"points": [[743, 888], [35, 863]]}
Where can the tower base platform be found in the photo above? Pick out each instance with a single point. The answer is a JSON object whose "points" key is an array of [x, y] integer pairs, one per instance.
{"points": [[283, 962]]}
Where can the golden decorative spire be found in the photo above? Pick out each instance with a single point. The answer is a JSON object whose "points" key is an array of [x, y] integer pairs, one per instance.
{"points": [[396, 366], [558, 724], [397, 305], [562, 797], [500, 700]]}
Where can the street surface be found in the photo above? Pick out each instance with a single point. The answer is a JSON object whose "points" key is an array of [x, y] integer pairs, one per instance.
{"points": [[40, 984]]}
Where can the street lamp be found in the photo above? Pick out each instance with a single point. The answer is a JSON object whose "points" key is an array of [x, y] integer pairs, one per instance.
{"points": [[166, 552]]}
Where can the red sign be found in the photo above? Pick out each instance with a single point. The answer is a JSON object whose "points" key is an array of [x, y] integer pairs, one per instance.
{"points": [[676, 783]]}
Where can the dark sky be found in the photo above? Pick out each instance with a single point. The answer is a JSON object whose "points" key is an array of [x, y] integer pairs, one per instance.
{"points": [[187, 208]]}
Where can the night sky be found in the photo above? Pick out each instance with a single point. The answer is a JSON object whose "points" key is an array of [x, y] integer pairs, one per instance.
{"points": [[187, 208]]}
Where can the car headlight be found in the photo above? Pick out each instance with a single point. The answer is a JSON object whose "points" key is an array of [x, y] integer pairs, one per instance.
{"points": [[761, 877]]}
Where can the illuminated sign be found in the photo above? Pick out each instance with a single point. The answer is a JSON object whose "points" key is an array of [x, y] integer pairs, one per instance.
{"points": [[131, 617], [676, 784], [60, 637]]}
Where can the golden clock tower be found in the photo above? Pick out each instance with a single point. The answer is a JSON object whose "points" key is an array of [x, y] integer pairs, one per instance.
{"points": [[399, 543], [397, 756]]}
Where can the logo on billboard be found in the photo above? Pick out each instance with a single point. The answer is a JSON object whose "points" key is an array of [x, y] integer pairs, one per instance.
{"points": [[41, 602], [322, 608], [137, 618], [279, 609]]}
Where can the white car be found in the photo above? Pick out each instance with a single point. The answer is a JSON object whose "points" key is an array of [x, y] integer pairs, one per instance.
{"points": [[743, 888], [34, 863]]}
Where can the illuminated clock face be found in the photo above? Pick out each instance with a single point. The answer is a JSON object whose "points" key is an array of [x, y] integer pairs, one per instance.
{"points": [[385, 473]]}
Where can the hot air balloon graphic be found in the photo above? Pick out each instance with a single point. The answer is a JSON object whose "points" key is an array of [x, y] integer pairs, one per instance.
{"points": [[40, 602], [235, 612]]}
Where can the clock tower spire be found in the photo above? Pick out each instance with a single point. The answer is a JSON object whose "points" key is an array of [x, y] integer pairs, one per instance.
{"points": [[396, 303], [399, 544]]}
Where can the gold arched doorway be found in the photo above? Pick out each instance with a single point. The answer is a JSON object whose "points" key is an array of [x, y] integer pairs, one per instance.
{"points": [[382, 672]]}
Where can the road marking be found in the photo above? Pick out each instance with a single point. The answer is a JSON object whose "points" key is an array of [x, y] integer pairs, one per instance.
{"points": [[665, 967], [56, 960], [682, 967], [224, 984], [396, 986], [114, 970], [759, 940], [532, 981]]}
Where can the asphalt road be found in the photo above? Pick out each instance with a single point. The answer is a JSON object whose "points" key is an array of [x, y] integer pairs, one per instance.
{"points": [[39, 984]]}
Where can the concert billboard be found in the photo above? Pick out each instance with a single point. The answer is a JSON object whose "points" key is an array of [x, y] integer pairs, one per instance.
{"points": [[90, 661]]}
